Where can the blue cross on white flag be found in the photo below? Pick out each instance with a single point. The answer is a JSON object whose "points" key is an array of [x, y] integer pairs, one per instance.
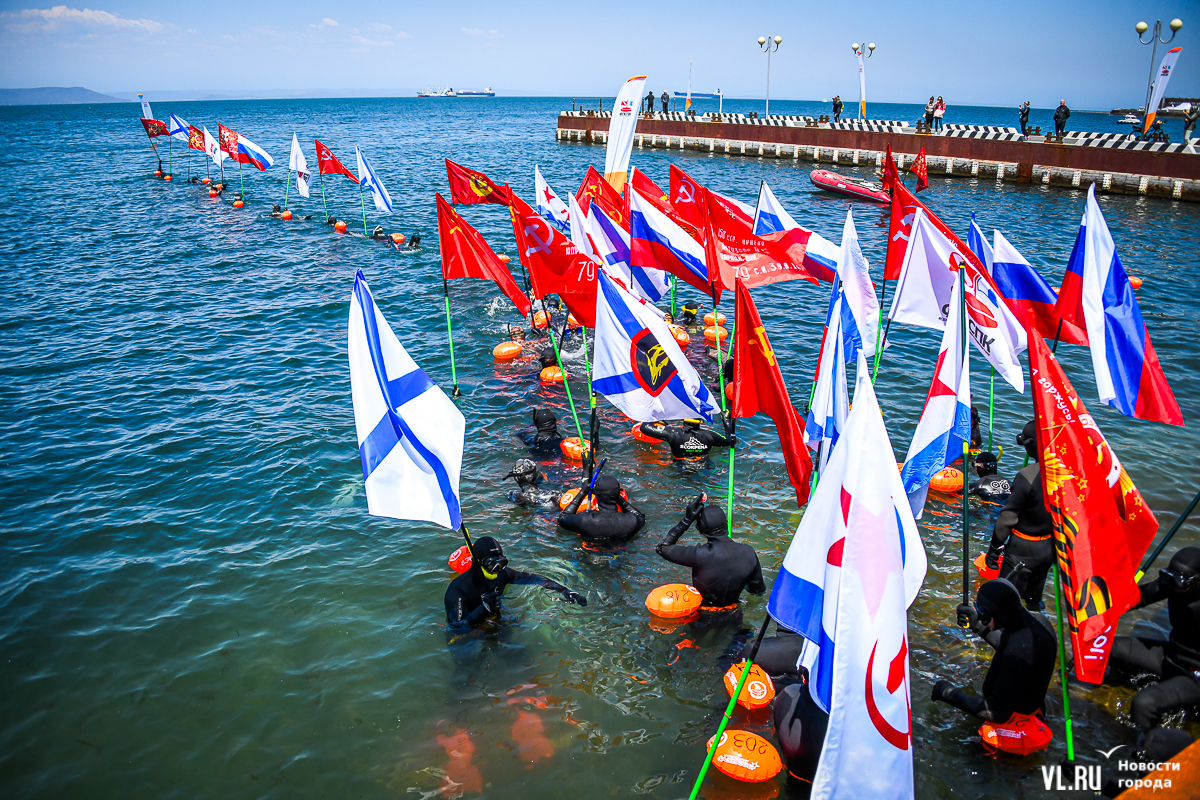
{"points": [[410, 434], [639, 367], [177, 127], [367, 179]]}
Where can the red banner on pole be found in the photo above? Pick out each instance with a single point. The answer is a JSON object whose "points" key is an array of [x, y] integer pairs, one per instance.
{"points": [[465, 254]]}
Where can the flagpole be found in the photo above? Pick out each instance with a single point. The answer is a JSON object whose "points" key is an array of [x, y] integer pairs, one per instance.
{"points": [[287, 184], [1178, 524], [674, 288], [323, 204], [170, 155], [364, 208], [882, 299], [991, 413], [566, 382], [1062, 663], [450, 337], [241, 186], [728, 425], [1057, 332], [966, 531], [728, 715]]}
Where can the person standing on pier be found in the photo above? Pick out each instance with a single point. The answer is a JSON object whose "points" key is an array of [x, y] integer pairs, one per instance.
{"points": [[1024, 111], [939, 111], [930, 107], [648, 103], [1189, 123], [838, 105], [666, 102], [1061, 115]]}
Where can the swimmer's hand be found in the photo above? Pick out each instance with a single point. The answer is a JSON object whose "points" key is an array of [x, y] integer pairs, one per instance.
{"points": [[491, 600], [942, 690], [575, 597], [992, 559], [968, 617], [693, 508]]}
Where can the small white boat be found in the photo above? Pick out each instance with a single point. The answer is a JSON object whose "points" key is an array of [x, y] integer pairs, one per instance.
{"points": [[1129, 119]]}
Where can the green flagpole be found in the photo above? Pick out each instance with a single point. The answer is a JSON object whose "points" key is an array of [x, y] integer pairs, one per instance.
{"points": [[991, 412], [364, 208], [966, 531], [728, 715], [1062, 658], [731, 424], [241, 187], [674, 287], [450, 337], [558, 358], [1178, 524], [587, 364], [287, 185], [171, 156]]}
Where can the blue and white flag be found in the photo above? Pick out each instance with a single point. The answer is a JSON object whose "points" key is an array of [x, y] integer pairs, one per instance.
{"points": [[858, 293], [299, 164], [820, 255], [946, 419], [213, 148], [612, 244], [859, 488], [367, 179], [554, 211], [979, 244], [831, 403], [410, 434], [638, 366], [177, 128]]}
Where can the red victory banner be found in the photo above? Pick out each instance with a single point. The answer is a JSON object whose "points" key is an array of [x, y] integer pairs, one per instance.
{"points": [[468, 186], [465, 254]]}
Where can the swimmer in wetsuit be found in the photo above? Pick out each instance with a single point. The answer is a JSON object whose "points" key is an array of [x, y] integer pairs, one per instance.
{"points": [[276, 212], [615, 518], [990, 485], [545, 441], [547, 358], [721, 567], [414, 243], [1023, 664], [378, 235], [1176, 661], [529, 493], [475, 595], [1023, 532], [687, 314], [687, 439], [800, 726]]}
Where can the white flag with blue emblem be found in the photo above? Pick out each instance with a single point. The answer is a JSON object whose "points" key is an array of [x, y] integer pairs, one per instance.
{"points": [[410, 434], [367, 179], [638, 366], [177, 127]]}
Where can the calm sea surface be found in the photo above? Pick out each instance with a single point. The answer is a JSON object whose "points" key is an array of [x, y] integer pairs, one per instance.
{"points": [[193, 599]]}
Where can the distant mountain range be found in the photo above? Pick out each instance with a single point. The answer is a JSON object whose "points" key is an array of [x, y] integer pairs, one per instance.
{"points": [[53, 95]]}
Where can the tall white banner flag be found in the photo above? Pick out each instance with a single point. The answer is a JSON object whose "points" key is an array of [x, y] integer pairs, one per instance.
{"points": [[298, 163], [1160, 85], [621, 130]]}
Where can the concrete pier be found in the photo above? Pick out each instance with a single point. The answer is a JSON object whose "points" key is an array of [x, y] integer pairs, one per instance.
{"points": [[1115, 163]]}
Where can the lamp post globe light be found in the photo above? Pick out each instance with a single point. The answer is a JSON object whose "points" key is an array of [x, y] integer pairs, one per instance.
{"points": [[769, 45], [1155, 39], [862, 79]]}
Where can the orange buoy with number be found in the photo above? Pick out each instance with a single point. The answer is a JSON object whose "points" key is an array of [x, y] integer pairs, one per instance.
{"points": [[338, 226], [746, 756], [540, 320], [286, 215], [460, 559], [757, 691], [986, 572], [1135, 282], [552, 375], [573, 323], [948, 481], [673, 601], [641, 437], [238, 204], [398, 238], [506, 351], [711, 334], [1021, 735], [680, 335], [573, 449], [709, 317]]}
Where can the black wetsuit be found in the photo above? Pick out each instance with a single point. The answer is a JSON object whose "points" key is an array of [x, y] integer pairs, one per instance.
{"points": [[1023, 533], [545, 441], [687, 441], [721, 567], [991, 487], [800, 726], [472, 598], [615, 518], [1175, 661], [1021, 668]]}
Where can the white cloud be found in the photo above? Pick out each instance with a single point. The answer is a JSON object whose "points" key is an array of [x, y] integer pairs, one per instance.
{"points": [[29, 20], [480, 32], [326, 23]]}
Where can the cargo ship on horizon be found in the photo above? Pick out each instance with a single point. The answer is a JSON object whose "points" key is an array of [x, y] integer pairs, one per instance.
{"points": [[449, 92]]}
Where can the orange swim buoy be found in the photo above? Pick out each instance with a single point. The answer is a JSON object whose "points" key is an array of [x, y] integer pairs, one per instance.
{"points": [[680, 335], [552, 375], [540, 321], [573, 323], [166, 177], [158, 173], [729, 392], [573, 449], [238, 204], [504, 259], [673, 601], [339, 226], [1021, 735], [986, 572], [948, 481], [1135, 282], [757, 691], [636, 432], [506, 351], [460, 559], [206, 181], [709, 317], [711, 334], [286, 215], [398, 238], [566, 497], [746, 756], [213, 193]]}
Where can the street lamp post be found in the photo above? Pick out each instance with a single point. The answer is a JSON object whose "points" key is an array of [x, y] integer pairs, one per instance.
{"points": [[862, 78], [1155, 38], [765, 43]]}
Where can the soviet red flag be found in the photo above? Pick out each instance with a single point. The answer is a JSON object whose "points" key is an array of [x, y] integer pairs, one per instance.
{"points": [[328, 164], [1102, 526], [733, 253], [758, 387], [555, 264], [155, 127], [687, 198], [465, 254], [651, 191], [890, 175], [195, 138], [595, 189], [919, 169], [468, 186], [904, 211]]}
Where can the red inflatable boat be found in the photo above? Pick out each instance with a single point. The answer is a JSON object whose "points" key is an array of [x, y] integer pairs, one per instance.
{"points": [[863, 190]]}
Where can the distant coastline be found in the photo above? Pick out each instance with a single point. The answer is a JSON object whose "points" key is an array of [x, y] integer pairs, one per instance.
{"points": [[54, 95]]}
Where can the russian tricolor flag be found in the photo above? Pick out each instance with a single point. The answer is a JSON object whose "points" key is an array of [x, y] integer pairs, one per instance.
{"points": [[250, 153], [1028, 294], [657, 242], [1128, 375]]}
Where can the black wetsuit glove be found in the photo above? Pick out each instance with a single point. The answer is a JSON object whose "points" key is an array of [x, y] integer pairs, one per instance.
{"points": [[690, 515], [992, 559], [491, 600], [968, 617]]}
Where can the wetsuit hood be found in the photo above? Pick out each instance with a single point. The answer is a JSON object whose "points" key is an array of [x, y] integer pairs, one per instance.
{"points": [[487, 557], [712, 523], [607, 490], [1185, 568], [986, 464], [1027, 438], [999, 600], [525, 471], [547, 358], [545, 421]]}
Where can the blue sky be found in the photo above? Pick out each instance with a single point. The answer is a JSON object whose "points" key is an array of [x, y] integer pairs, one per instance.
{"points": [[972, 53]]}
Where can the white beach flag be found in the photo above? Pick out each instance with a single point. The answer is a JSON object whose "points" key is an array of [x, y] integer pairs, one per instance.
{"points": [[858, 290], [621, 130], [213, 148], [297, 162], [410, 434]]}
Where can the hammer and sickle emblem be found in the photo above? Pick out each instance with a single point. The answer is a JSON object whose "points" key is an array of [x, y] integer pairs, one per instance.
{"points": [[479, 186], [542, 246], [685, 193], [764, 345]]}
